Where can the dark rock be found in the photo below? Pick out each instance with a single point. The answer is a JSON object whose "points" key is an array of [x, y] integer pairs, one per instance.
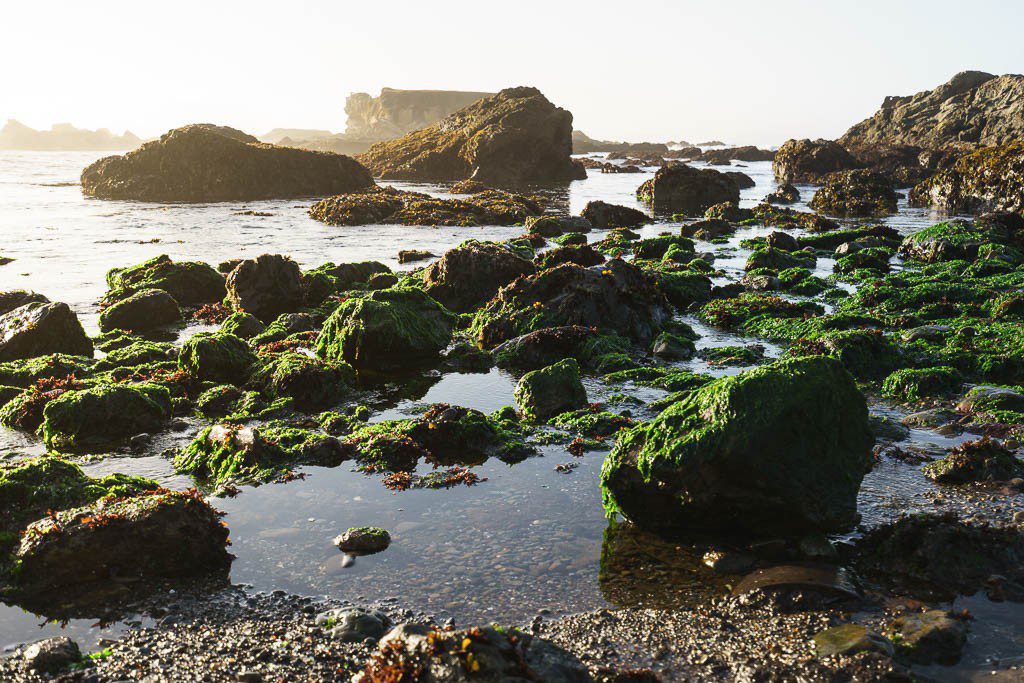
{"points": [[472, 273], [742, 180], [15, 298], [514, 136], [388, 205], [990, 179], [413, 255], [855, 193], [981, 460], [784, 194], [543, 347], [206, 163], [38, 329], [604, 216], [688, 190], [266, 286], [929, 637], [582, 255], [745, 153], [807, 161], [782, 240], [143, 310], [708, 229], [553, 226]]}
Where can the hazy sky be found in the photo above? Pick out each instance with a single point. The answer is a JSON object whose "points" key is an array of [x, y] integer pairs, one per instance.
{"points": [[745, 71]]}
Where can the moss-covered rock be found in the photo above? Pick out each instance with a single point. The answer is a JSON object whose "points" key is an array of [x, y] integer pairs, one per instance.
{"points": [[855, 193], [311, 382], [989, 179], [217, 357], [778, 259], [778, 449], [871, 258], [29, 488], [684, 288], [143, 310], [981, 460], [656, 247], [948, 241], [387, 329], [544, 393], [688, 190], [468, 276], [915, 384], [25, 409], [155, 533], [99, 416], [190, 283], [604, 216], [138, 353], [732, 313], [25, 373], [39, 329], [243, 325]]}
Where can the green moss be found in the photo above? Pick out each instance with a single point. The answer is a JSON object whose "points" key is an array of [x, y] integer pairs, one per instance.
{"points": [[217, 357], [138, 353], [778, 259], [310, 382], [592, 423], [100, 416], [872, 258], [684, 288], [544, 393], [243, 325], [732, 313], [25, 373], [571, 239], [733, 355], [910, 385], [657, 247], [188, 282], [391, 328], [28, 488]]}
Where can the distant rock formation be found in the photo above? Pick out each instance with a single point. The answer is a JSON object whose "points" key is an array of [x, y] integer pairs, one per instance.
{"points": [[808, 161], [277, 135], [394, 113], [584, 144], [64, 137], [974, 109], [207, 163], [514, 136]]}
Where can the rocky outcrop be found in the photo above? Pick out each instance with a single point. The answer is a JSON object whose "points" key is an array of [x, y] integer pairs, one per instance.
{"points": [[38, 329], [859, 193], [688, 190], [64, 136], [778, 449], [604, 216], [973, 109], [394, 113], [207, 163], [514, 136], [745, 153], [584, 144], [807, 161], [469, 275], [989, 179]]}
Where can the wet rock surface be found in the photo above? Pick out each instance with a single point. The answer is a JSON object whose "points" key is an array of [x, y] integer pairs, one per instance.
{"points": [[207, 163]]}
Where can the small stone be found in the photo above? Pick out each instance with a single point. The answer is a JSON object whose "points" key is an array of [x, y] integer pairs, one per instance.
{"points": [[363, 540], [849, 639], [355, 625], [52, 654], [928, 637]]}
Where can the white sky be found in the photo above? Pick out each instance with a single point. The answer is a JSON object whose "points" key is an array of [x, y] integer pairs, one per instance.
{"points": [[745, 71]]}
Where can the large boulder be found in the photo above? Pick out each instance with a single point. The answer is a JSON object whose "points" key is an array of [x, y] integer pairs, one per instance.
{"points": [[688, 190], [514, 136], [38, 329], [807, 161], [207, 163], [189, 282], [616, 297], [99, 416], [311, 382], [266, 286], [386, 329], [604, 216], [778, 449], [472, 273], [857, 193], [143, 310], [990, 179], [217, 357], [150, 535], [972, 109]]}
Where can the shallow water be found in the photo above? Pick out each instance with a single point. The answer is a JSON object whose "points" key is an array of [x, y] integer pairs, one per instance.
{"points": [[526, 539]]}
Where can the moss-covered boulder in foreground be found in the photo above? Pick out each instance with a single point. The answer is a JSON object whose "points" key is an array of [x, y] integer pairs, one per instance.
{"points": [[28, 488], [217, 357], [544, 393], [100, 416], [387, 329], [143, 310], [778, 449], [311, 382], [915, 384], [155, 533]]}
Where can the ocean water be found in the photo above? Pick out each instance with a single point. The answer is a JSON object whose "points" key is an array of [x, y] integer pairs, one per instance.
{"points": [[526, 539]]}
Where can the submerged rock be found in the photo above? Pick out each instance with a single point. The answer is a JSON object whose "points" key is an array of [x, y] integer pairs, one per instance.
{"points": [[514, 136], [550, 391], [855, 193], [616, 297], [266, 286], [807, 161], [38, 329], [153, 534], [778, 449], [363, 540], [143, 310], [190, 283], [387, 329], [206, 163], [688, 190], [472, 273], [402, 207]]}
